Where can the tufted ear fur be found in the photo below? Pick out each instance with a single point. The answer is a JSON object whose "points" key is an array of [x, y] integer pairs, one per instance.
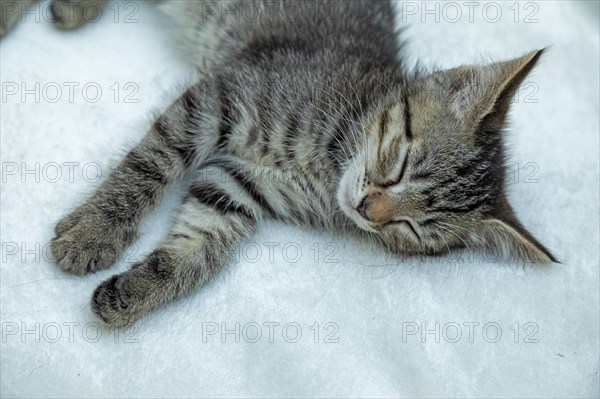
{"points": [[480, 97], [506, 236], [483, 92]]}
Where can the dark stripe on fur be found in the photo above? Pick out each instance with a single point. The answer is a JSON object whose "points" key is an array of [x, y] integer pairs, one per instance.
{"points": [[382, 129], [265, 49], [185, 151], [226, 123], [245, 182], [421, 175], [213, 196], [144, 167], [429, 222], [208, 234], [465, 208], [189, 104], [407, 121]]}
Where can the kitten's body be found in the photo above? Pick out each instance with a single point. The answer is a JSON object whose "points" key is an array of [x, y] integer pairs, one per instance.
{"points": [[307, 120], [294, 97]]}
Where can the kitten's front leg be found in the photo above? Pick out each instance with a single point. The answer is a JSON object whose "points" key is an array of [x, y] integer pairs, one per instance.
{"points": [[94, 235], [216, 215]]}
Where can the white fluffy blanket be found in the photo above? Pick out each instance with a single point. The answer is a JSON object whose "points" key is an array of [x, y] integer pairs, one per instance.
{"points": [[301, 313]]}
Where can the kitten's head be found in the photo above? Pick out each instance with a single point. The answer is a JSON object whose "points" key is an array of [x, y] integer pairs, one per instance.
{"points": [[430, 175]]}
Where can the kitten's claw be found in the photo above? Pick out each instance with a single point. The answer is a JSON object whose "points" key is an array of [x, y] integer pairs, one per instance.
{"points": [[85, 242]]}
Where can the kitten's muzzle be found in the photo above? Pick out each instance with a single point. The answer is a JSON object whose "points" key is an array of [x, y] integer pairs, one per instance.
{"points": [[376, 207]]}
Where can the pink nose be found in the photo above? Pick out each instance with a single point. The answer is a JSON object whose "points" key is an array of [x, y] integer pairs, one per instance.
{"points": [[376, 207]]}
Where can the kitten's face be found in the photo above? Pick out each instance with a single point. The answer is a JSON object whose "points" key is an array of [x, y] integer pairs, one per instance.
{"points": [[417, 181], [429, 176]]}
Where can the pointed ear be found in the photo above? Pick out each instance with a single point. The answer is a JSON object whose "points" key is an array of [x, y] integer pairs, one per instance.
{"points": [[507, 237], [477, 92]]}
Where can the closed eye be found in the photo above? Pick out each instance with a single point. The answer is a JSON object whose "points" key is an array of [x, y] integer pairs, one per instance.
{"points": [[402, 172]]}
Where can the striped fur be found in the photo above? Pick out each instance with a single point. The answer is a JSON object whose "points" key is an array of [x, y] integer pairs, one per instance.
{"points": [[313, 122]]}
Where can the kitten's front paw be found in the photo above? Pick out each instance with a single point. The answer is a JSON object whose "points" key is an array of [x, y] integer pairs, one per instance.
{"points": [[86, 242], [110, 303], [122, 299]]}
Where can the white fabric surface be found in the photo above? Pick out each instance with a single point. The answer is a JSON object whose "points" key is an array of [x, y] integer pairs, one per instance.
{"points": [[374, 300]]}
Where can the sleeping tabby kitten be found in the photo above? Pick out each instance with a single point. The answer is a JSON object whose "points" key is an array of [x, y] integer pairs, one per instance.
{"points": [[314, 121]]}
